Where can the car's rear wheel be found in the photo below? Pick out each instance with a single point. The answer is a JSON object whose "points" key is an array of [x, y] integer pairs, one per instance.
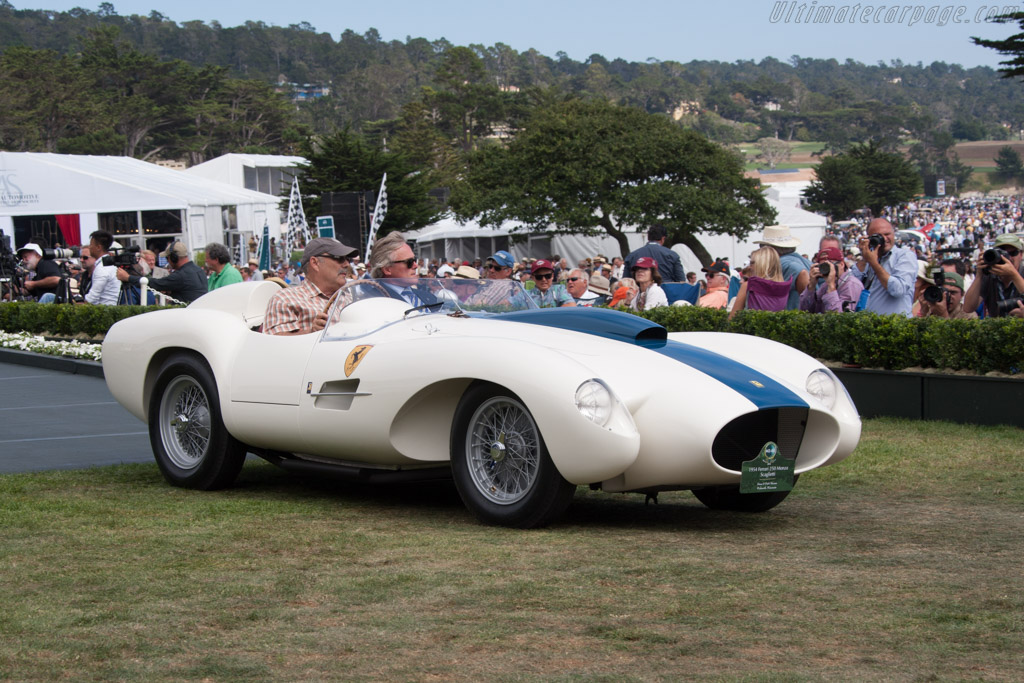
{"points": [[190, 443], [500, 464], [730, 498]]}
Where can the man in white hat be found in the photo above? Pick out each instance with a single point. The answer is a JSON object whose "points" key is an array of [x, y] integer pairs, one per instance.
{"points": [[794, 266]]}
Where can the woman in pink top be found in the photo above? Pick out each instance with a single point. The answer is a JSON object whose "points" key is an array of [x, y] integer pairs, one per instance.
{"points": [[765, 290]]}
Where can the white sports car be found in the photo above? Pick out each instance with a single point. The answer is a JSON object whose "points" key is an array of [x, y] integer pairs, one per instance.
{"points": [[519, 405]]}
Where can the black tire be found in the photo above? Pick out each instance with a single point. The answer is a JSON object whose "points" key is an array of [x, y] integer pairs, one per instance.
{"points": [[190, 443], [500, 464], [730, 498]]}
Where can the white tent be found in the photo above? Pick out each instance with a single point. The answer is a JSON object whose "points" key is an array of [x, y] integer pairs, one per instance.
{"points": [[268, 173], [136, 200]]}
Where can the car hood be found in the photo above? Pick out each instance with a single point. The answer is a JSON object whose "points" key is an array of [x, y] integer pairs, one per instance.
{"points": [[758, 388]]}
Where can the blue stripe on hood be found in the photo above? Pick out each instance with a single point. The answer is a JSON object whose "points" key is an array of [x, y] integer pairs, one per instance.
{"points": [[759, 389]]}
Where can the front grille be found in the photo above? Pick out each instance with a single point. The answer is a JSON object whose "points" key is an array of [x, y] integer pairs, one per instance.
{"points": [[743, 438]]}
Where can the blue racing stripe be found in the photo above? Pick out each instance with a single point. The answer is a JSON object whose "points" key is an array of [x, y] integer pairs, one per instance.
{"points": [[759, 389], [756, 387]]}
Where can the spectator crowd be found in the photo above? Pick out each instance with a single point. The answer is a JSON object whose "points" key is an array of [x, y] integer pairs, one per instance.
{"points": [[957, 258]]}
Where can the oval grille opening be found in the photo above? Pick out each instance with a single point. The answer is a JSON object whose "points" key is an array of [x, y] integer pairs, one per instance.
{"points": [[742, 439]]}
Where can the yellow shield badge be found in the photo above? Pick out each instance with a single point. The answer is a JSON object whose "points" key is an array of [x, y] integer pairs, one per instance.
{"points": [[355, 358]]}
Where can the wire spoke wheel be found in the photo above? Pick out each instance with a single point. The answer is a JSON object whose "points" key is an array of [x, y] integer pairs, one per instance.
{"points": [[503, 450], [185, 422]]}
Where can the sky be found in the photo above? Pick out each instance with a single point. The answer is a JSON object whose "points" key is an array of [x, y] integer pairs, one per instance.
{"points": [[634, 30]]}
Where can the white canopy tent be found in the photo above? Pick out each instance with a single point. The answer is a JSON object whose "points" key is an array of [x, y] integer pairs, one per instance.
{"points": [[267, 173], [141, 201]]}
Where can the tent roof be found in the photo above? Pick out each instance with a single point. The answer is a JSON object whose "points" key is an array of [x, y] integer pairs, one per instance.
{"points": [[35, 183], [228, 161]]}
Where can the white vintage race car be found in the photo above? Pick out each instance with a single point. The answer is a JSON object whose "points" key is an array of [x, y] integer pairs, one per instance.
{"points": [[518, 404]]}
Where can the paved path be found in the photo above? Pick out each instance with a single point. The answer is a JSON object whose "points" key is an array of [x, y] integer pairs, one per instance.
{"points": [[55, 420]]}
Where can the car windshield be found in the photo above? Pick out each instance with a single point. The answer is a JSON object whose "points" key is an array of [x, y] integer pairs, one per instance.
{"points": [[362, 306]]}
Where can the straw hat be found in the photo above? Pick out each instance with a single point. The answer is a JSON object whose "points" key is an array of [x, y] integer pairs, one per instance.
{"points": [[778, 236]]}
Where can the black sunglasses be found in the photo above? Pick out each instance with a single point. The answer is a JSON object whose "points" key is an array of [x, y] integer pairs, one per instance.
{"points": [[409, 262], [574, 279], [337, 259], [543, 276], [491, 266]]}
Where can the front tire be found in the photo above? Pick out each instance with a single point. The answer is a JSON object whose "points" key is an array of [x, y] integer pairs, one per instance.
{"points": [[730, 498], [500, 464], [190, 443]]}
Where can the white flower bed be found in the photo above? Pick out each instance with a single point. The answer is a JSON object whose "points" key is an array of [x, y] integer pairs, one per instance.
{"points": [[23, 341]]}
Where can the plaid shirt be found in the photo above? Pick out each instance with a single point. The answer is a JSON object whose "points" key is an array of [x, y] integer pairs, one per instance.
{"points": [[294, 308]]}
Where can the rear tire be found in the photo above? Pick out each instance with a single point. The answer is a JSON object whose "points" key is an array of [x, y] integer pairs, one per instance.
{"points": [[500, 464], [730, 498], [190, 443]]}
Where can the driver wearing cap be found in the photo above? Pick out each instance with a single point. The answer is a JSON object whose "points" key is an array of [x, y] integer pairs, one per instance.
{"points": [[301, 309]]}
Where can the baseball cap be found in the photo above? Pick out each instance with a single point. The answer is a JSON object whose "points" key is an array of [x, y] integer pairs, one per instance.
{"points": [[325, 246], [541, 264], [176, 248], [829, 254], [32, 246], [954, 278], [716, 267], [1008, 239], [645, 262], [503, 259]]}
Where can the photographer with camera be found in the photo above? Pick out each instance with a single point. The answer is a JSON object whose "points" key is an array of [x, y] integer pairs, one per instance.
{"points": [[837, 288], [943, 298], [104, 287], [45, 274], [999, 283], [187, 281], [888, 272]]}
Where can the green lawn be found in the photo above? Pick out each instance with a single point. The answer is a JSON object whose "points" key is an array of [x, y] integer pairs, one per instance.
{"points": [[901, 563]]}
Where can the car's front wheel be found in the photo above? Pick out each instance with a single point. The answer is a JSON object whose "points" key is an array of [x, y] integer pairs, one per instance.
{"points": [[730, 498], [190, 443], [500, 464]]}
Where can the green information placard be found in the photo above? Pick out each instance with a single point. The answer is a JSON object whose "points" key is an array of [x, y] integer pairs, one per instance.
{"points": [[768, 472]]}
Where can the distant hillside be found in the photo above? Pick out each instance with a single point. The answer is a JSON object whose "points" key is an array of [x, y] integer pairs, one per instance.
{"points": [[369, 79]]}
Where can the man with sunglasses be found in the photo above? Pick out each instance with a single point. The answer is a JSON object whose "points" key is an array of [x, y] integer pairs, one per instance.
{"points": [[999, 282], [500, 265], [393, 259], [545, 292], [578, 285], [300, 310]]}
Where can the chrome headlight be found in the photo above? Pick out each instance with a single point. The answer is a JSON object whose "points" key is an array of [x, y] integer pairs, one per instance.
{"points": [[595, 402], [821, 384]]}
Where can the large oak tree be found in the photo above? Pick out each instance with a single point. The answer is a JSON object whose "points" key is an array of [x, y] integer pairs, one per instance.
{"points": [[591, 167]]}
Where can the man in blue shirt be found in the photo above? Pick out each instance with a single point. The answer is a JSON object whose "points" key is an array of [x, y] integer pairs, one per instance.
{"points": [[668, 261], [888, 272], [545, 293]]}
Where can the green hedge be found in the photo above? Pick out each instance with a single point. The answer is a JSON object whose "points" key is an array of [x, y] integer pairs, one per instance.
{"points": [[64, 320], [892, 342], [875, 341]]}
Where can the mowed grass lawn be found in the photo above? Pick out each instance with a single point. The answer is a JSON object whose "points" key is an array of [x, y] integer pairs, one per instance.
{"points": [[902, 563]]}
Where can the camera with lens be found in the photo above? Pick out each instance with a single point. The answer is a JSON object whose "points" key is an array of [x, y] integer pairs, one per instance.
{"points": [[933, 294], [875, 241], [122, 258], [51, 254], [1006, 305], [992, 257], [824, 268]]}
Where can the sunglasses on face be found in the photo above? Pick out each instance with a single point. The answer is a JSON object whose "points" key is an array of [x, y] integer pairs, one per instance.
{"points": [[491, 266], [543, 276], [408, 263], [575, 279], [341, 260]]}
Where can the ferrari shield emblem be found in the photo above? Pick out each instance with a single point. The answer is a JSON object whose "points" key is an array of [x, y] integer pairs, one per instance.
{"points": [[768, 472], [355, 358]]}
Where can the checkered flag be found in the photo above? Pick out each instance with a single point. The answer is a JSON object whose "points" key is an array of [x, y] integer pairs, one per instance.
{"points": [[298, 230], [380, 210]]}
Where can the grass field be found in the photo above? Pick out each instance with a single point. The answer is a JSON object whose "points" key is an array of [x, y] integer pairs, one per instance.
{"points": [[901, 563]]}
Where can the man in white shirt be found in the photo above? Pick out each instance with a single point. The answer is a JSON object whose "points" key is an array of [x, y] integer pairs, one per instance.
{"points": [[105, 286]]}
